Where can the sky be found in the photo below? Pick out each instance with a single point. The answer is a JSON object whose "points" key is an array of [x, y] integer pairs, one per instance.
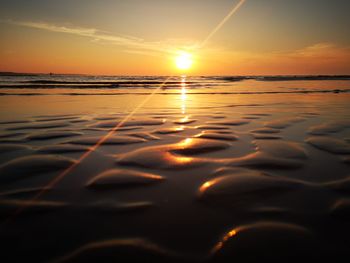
{"points": [[143, 37]]}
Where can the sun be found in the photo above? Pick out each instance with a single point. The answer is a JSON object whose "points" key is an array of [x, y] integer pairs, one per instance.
{"points": [[184, 61]]}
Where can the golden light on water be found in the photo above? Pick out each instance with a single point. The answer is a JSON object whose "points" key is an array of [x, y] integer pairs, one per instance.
{"points": [[185, 143], [219, 245], [184, 60], [183, 95]]}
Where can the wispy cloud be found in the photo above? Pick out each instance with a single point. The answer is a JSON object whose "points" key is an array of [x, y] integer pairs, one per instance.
{"points": [[319, 58], [324, 51], [131, 43]]}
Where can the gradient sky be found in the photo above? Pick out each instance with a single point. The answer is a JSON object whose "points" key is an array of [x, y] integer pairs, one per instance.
{"points": [[141, 37]]}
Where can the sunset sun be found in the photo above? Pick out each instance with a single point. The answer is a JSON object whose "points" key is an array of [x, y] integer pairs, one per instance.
{"points": [[184, 61]]}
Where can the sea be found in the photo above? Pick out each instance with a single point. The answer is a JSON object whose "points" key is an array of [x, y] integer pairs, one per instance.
{"points": [[61, 84]]}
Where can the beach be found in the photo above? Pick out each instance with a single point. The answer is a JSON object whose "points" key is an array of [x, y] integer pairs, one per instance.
{"points": [[179, 169]]}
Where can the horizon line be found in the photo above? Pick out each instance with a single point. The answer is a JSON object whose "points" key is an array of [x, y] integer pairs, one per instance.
{"points": [[14, 73]]}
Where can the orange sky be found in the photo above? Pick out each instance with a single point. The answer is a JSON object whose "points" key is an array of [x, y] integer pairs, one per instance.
{"points": [[253, 41]]}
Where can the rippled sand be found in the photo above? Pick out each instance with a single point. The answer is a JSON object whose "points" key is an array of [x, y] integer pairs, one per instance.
{"points": [[187, 178]]}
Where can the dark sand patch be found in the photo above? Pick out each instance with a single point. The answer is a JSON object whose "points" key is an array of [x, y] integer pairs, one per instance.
{"points": [[218, 116], [341, 209], [346, 160], [266, 130], [264, 160], [212, 127], [57, 118], [112, 140], [251, 117], [47, 125], [112, 206], [24, 192], [144, 135], [266, 137], [107, 117], [52, 135], [229, 122], [283, 122], [116, 250], [282, 149], [112, 124], [62, 148], [14, 122], [329, 127], [329, 144], [341, 186], [9, 206], [28, 166], [7, 148], [11, 135]]}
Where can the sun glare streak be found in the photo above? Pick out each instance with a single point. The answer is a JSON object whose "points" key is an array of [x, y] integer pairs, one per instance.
{"points": [[220, 25]]}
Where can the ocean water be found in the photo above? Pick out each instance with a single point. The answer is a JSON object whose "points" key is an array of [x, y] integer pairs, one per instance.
{"points": [[45, 84]]}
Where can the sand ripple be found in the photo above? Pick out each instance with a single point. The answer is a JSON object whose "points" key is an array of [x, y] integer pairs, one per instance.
{"points": [[282, 149], [272, 155], [216, 136], [10, 206], [62, 148], [170, 130], [329, 144], [184, 121], [111, 206], [266, 242], [212, 127], [6, 148], [119, 250], [341, 209], [112, 124], [112, 140], [24, 167], [144, 135], [240, 185], [169, 156], [265, 130], [329, 127], [46, 125], [115, 178], [283, 123], [52, 135], [263, 160], [266, 137], [230, 122]]}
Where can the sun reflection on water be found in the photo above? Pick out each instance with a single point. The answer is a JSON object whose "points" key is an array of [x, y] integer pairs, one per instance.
{"points": [[183, 95]]}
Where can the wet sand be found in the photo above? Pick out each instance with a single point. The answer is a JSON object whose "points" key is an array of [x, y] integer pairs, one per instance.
{"points": [[188, 178]]}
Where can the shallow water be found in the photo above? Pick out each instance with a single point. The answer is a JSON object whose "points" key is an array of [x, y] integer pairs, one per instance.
{"points": [[197, 174]]}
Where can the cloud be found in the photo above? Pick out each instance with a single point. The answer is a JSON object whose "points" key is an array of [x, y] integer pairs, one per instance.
{"points": [[321, 51], [133, 44], [319, 58]]}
